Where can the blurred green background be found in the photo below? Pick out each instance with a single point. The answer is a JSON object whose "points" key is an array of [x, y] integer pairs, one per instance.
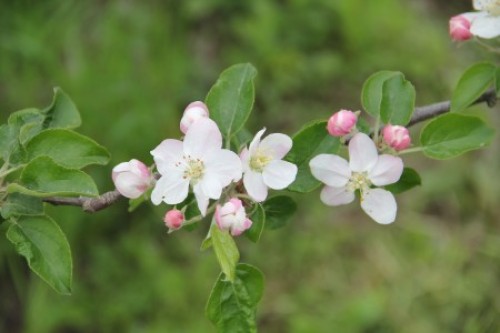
{"points": [[132, 67]]}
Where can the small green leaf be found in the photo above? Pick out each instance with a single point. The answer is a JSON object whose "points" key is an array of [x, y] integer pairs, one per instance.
{"points": [[62, 113], [232, 307], [8, 141], [371, 94], [311, 140], [453, 134], [472, 84], [398, 100], [18, 204], [28, 123], [497, 80], [230, 100], [409, 179], [279, 210], [258, 219], [40, 240], [42, 177], [225, 250], [67, 148]]}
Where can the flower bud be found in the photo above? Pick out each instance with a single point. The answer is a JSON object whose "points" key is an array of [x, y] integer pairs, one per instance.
{"points": [[132, 178], [173, 219], [341, 123], [193, 112], [396, 137], [232, 216], [460, 28]]}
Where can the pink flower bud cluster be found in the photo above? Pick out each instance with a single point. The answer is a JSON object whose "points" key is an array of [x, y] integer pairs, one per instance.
{"points": [[173, 219], [232, 216], [460, 28], [396, 137], [132, 178], [341, 123]]}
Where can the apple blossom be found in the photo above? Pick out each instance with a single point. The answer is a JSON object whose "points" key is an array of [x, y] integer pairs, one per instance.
{"points": [[263, 166], [232, 216], [460, 28], [486, 22], [341, 123], [173, 219], [131, 178], [193, 112], [364, 169], [397, 137], [198, 161]]}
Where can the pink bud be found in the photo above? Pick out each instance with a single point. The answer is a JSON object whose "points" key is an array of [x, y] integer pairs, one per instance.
{"points": [[396, 137], [193, 112], [173, 219], [341, 123], [131, 178], [460, 28], [232, 216]]}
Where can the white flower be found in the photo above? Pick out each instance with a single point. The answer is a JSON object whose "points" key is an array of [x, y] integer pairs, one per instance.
{"points": [[263, 166], [232, 216], [486, 22], [364, 169], [198, 161], [131, 178]]}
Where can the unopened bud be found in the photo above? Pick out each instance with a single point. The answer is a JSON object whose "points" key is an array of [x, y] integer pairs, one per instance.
{"points": [[173, 219], [192, 113], [232, 216], [396, 137], [341, 123], [460, 28], [131, 178]]}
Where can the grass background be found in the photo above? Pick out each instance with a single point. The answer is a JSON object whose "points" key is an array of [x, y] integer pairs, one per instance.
{"points": [[132, 67]]}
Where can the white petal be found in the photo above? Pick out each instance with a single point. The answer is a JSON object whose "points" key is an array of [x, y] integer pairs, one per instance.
{"points": [[201, 199], [211, 186], [388, 170], [166, 154], [330, 169], [129, 185], [279, 174], [362, 153], [170, 188], [335, 196], [256, 141], [254, 184], [225, 165], [380, 205], [486, 27], [277, 144], [245, 159], [202, 138]]}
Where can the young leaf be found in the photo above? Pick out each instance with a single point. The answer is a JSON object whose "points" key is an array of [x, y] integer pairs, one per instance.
{"points": [[225, 250], [279, 210], [371, 94], [398, 100], [258, 219], [62, 113], [18, 204], [409, 179], [67, 148], [453, 134], [42, 177], [27, 122], [311, 140], [472, 84], [232, 306], [40, 240], [230, 100], [8, 141]]}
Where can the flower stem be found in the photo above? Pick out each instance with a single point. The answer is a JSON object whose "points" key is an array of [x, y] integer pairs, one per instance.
{"points": [[411, 150]]}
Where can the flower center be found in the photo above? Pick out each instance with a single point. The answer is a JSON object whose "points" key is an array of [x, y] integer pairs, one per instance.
{"points": [[259, 161], [358, 181], [493, 7], [194, 169]]}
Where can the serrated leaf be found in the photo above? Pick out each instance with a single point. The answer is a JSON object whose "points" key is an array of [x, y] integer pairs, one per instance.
{"points": [[230, 100], [40, 240], [450, 135], [472, 84], [42, 177], [18, 204], [27, 122], [279, 210], [67, 148], [258, 219], [8, 141], [62, 113], [398, 100], [371, 93], [409, 179], [232, 306], [311, 140], [225, 250]]}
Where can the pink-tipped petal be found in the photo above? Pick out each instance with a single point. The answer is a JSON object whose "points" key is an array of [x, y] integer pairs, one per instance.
{"points": [[387, 171], [336, 196], [277, 144], [330, 169], [279, 174], [202, 139], [362, 153], [380, 205], [129, 185], [254, 184]]}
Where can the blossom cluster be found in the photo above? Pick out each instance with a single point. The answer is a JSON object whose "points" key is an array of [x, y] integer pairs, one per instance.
{"points": [[484, 23]]}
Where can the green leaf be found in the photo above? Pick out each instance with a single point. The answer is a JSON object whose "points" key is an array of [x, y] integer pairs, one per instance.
{"points": [[230, 100], [472, 84], [225, 250], [40, 240], [311, 140], [18, 204], [62, 113], [453, 134], [67, 148], [27, 122], [279, 210], [8, 141], [371, 94], [232, 307], [258, 219], [497, 80], [42, 177], [398, 100], [409, 179]]}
